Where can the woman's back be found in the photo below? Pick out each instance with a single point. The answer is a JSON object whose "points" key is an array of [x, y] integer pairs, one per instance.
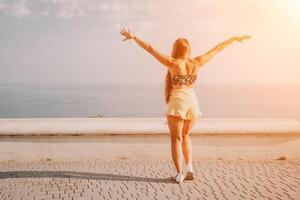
{"points": [[184, 74]]}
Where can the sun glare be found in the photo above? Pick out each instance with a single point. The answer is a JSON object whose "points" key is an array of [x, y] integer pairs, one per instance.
{"points": [[292, 9]]}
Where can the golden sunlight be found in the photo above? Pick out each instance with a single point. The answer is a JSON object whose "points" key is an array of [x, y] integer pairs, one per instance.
{"points": [[292, 8]]}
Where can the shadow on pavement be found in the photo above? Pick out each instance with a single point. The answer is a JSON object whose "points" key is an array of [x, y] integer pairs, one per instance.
{"points": [[80, 175]]}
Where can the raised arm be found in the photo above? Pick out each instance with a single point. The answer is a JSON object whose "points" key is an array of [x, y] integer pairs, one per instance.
{"points": [[202, 59], [168, 61], [164, 59]]}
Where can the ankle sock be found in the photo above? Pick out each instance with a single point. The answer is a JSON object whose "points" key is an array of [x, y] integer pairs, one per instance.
{"points": [[189, 167]]}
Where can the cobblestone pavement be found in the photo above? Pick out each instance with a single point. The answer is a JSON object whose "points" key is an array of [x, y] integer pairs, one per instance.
{"points": [[149, 179]]}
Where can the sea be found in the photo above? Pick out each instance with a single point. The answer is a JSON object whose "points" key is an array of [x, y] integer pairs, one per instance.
{"points": [[122, 101]]}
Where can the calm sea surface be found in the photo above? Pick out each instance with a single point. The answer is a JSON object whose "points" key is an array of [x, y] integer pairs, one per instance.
{"points": [[234, 101]]}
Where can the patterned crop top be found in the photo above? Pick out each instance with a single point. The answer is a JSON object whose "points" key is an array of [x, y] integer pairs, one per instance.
{"points": [[184, 79], [180, 79]]}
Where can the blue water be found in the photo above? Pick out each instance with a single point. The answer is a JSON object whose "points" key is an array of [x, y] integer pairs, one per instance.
{"points": [[230, 101]]}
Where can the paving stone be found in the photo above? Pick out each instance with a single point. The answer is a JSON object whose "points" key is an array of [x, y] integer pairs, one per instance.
{"points": [[148, 179]]}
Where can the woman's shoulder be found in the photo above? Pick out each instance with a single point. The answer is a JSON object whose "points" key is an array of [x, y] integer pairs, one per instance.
{"points": [[182, 61]]}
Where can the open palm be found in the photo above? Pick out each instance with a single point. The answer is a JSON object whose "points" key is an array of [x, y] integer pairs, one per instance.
{"points": [[127, 34], [244, 37]]}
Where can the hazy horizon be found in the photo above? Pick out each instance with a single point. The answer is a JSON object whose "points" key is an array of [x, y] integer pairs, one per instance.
{"points": [[81, 100]]}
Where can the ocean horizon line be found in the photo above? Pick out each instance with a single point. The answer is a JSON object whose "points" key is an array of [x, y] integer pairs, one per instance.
{"points": [[145, 84]]}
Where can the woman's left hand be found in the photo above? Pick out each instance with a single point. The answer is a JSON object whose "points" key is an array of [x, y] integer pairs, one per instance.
{"points": [[127, 34]]}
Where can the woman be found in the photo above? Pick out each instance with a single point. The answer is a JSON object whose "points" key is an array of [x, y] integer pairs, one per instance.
{"points": [[182, 108]]}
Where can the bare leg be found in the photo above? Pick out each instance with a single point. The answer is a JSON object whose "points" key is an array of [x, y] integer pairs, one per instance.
{"points": [[175, 126], [186, 142]]}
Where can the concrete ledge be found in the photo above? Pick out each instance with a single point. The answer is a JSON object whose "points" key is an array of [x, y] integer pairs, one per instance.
{"points": [[152, 126], [113, 138]]}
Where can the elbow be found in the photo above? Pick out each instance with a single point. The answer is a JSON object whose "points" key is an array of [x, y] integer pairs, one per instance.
{"points": [[150, 48], [218, 48]]}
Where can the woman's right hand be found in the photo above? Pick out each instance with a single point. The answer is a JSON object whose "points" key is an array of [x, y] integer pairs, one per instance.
{"points": [[241, 38], [127, 34]]}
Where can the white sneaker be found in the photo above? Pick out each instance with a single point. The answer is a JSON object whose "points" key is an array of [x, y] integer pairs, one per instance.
{"points": [[179, 178]]}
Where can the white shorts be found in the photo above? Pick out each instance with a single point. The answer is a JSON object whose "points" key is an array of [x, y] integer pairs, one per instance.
{"points": [[184, 103]]}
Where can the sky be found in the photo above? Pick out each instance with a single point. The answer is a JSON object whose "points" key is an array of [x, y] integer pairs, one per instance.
{"points": [[78, 41]]}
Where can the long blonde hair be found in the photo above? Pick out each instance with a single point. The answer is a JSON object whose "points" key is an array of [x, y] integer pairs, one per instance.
{"points": [[181, 47]]}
